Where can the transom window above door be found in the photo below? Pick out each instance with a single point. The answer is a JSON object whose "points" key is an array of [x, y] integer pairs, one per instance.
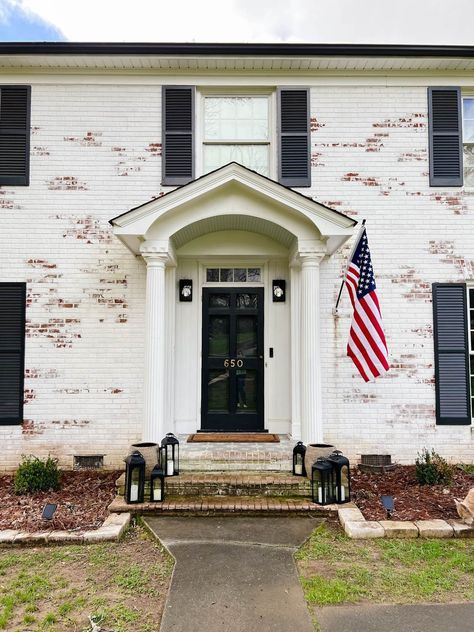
{"points": [[236, 129], [233, 275]]}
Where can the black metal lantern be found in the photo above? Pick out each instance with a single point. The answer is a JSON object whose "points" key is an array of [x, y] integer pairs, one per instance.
{"points": [[170, 460], [279, 290], [299, 452], [157, 485], [135, 478], [185, 290], [322, 482], [342, 476]]}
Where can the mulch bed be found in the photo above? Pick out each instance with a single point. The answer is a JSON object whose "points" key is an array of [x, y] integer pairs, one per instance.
{"points": [[82, 503], [412, 501]]}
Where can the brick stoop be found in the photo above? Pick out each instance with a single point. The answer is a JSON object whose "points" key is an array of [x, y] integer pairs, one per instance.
{"points": [[248, 505]]}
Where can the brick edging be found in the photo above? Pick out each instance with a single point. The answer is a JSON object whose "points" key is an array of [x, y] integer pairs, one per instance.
{"points": [[358, 528], [111, 530]]}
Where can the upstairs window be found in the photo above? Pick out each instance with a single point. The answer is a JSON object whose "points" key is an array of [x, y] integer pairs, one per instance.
{"points": [[468, 140], [14, 135], [236, 129]]}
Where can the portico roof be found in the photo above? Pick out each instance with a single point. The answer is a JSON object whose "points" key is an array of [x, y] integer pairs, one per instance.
{"points": [[229, 193]]}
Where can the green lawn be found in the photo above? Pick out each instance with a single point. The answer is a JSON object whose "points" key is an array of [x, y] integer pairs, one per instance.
{"points": [[335, 569], [120, 586]]}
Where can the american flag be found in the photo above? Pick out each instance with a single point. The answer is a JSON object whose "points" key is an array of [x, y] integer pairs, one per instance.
{"points": [[366, 346]]}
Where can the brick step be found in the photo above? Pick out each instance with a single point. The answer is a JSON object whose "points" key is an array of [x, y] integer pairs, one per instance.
{"points": [[176, 505], [257, 484]]}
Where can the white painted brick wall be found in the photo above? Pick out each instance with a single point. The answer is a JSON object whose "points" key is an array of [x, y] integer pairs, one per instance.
{"points": [[96, 154]]}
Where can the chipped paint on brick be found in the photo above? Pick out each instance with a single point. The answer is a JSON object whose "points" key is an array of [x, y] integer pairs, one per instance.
{"points": [[419, 155], [41, 263], [416, 120], [38, 150], [87, 229], [368, 181], [424, 331], [419, 289], [66, 183], [7, 202], [28, 395], [315, 159], [154, 149], [90, 139], [445, 248], [61, 332], [70, 423], [359, 396], [32, 374], [315, 125]]}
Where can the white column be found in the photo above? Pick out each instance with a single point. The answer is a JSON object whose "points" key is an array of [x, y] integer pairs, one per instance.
{"points": [[295, 351], [311, 408], [155, 345]]}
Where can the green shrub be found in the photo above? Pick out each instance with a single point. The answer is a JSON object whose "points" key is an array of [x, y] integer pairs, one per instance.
{"points": [[36, 475], [432, 469]]}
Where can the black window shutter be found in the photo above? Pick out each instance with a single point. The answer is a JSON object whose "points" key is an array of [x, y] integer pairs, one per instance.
{"points": [[294, 164], [15, 135], [12, 351], [451, 348], [178, 134], [445, 136]]}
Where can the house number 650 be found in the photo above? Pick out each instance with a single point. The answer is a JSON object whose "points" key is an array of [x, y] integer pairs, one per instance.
{"points": [[233, 363]]}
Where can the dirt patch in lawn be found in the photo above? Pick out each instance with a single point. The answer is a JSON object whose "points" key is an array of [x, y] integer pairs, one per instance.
{"points": [[412, 501], [121, 586], [82, 503]]}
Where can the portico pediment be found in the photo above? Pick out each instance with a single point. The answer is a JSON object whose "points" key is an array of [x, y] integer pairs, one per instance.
{"points": [[236, 197]]}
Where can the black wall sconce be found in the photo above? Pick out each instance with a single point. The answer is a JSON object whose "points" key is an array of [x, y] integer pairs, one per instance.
{"points": [[185, 290], [279, 291]]}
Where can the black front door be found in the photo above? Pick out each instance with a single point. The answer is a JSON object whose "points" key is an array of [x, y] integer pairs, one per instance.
{"points": [[232, 360]]}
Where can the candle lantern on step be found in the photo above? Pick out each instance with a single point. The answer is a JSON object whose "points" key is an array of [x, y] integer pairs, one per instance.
{"points": [[299, 452], [134, 478], [342, 476], [157, 485], [322, 482], [170, 457]]}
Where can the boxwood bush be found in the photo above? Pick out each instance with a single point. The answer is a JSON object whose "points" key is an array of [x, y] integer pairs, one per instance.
{"points": [[37, 475], [432, 469]]}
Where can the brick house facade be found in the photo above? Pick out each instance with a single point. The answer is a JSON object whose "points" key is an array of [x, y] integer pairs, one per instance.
{"points": [[101, 238]]}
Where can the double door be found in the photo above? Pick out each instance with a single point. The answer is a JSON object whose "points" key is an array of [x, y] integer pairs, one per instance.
{"points": [[232, 360]]}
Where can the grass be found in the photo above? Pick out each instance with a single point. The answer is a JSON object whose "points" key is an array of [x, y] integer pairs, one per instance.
{"points": [[121, 586], [335, 569]]}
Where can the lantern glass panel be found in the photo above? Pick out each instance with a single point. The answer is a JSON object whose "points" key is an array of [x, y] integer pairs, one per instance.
{"points": [[157, 490], [299, 464], [344, 485], [134, 484], [317, 487]]}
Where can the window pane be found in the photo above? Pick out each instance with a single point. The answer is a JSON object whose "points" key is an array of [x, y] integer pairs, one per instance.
{"points": [[240, 275], [253, 275], [468, 108], [212, 275], [236, 118], [227, 275], [468, 131], [252, 156], [468, 165]]}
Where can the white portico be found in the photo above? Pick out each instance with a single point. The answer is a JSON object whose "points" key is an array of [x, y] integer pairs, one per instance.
{"points": [[239, 222]]}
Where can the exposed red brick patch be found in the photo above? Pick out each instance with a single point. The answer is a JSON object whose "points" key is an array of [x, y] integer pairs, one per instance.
{"points": [[356, 395], [39, 151], [66, 183], [315, 159], [78, 423], [451, 201], [425, 331], [87, 228], [419, 155], [415, 120], [445, 248], [120, 150], [368, 181], [88, 140], [315, 124], [372, 144], [113, 390], [121, 318], [61, 332], [419, 289], [41, 263], [28, 427], [7, 202], [28, 395], [154, 149], [41, 373], [407, 364]]}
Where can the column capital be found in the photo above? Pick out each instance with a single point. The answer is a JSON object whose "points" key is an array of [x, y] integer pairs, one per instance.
{"points": [[309, 252], [155, 253]]}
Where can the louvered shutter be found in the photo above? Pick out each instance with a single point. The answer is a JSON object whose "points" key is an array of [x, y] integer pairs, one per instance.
{"points": [[12, 345], [451, 354], [178, 134], [293, 138], [445, 136], [14, 135]]}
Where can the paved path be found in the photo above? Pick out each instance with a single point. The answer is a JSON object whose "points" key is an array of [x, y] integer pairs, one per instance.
{"points": [[234, 574], [406, 618]]}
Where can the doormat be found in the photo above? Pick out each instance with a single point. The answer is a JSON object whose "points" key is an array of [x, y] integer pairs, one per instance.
{"points": [[233, 437]]}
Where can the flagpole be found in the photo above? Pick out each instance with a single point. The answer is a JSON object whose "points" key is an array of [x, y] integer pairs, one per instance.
{"points": [[347, 265]]}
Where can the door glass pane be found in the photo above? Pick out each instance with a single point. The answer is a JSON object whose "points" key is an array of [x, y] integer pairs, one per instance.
{"points": [[218, 391], [219, 300], [247, 301], [246, 336], [218, 336], [212, 275], [246, 390], [227, 275]]}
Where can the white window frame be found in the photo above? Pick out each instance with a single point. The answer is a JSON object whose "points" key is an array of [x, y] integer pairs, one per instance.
{"points": [[464, 97], [269, 93]]}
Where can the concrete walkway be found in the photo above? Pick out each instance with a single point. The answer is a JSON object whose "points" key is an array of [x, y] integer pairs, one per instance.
{"points": [[234, 574]]}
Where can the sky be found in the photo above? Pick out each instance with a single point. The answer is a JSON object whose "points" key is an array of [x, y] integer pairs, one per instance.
{"points": [[321, 21]]}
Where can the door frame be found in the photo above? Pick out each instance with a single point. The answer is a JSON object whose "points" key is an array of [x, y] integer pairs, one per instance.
{"points": [[234, 289]]}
